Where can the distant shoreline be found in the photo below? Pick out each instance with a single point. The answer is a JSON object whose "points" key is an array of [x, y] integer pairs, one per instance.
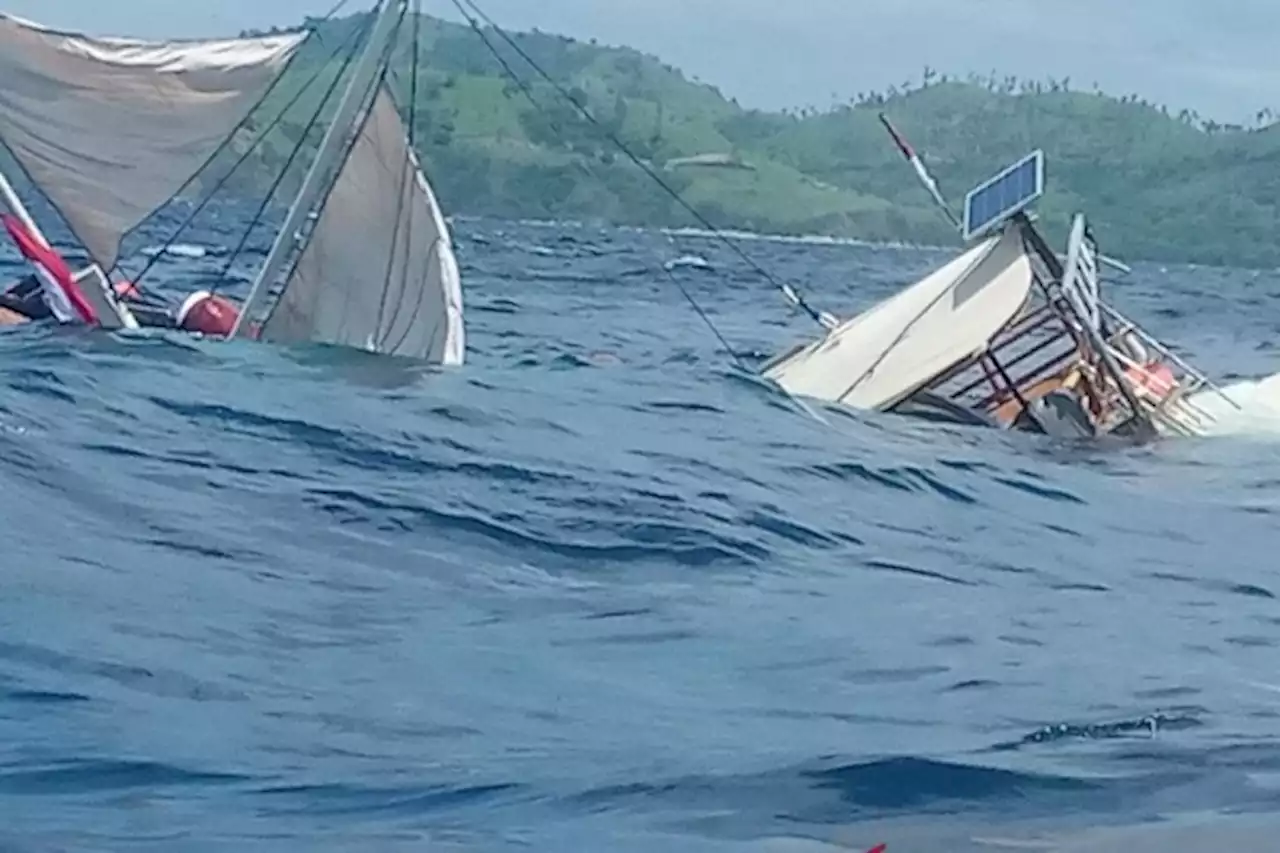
{"points": [[817, 240], [1159, 185]]}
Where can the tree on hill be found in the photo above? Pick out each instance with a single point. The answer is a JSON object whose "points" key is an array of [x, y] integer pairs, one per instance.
{"points": [[1171, 185]]}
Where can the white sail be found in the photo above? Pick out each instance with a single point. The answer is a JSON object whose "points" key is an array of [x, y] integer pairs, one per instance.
{"points": [[110, 129], [378, 271], [884, 354]]}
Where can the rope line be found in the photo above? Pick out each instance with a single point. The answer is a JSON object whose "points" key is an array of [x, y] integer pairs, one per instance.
{"points": [[528, 93], [792, 296], [240, 161], [352, 42]]}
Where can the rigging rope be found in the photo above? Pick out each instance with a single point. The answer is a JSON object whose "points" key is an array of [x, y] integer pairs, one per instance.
{"points": [[404, 182], [352, 139], [357, 36], [528, 93], [243, 124], [413, 152], [792, 296]]}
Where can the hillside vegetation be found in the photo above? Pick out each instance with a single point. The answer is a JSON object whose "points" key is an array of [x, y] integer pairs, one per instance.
{"points": [[1157, 185]]}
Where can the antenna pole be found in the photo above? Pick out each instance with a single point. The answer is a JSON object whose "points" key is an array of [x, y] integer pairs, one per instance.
{"points": [[932, 186], [366, 70], [921, 172]]}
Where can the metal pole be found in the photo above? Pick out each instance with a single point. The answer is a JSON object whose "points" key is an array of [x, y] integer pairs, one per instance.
{"points": [[10, 198], [331, 148], [1104, 354], [18, 209], [931, 185]]}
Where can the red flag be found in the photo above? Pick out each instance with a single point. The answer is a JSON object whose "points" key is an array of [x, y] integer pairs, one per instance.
{"points": [[62, 294]]}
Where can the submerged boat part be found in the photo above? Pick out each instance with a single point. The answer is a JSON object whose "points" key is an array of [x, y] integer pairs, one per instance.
{"points": [[880, 357], [364, 259], [380, 232], [1009, 334]]}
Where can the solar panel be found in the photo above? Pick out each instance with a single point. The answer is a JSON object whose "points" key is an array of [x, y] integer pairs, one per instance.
{"points": [[990, 204]]}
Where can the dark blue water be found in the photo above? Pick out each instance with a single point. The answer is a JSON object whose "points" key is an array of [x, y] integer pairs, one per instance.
{"points": [[598, 590]]}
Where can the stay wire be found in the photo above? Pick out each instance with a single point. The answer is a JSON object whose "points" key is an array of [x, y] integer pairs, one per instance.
{"points": [[787, 290], [240, 161], [405, 178], [352, 140], [349, 45], [528, 93]]}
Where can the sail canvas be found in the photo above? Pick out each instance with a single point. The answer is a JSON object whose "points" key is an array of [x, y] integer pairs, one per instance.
{"points": [[378, 271], [110, 129]]}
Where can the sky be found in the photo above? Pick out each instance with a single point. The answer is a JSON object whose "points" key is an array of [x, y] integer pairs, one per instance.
{"points": [[1213, 57]]}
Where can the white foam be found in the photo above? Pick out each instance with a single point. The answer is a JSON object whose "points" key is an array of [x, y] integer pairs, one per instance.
{"points": [[689, 262], [178, 250], [1259, 407]]}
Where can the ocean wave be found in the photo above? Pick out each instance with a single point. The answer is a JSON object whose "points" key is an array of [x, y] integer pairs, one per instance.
{"points": [[600, 588]]}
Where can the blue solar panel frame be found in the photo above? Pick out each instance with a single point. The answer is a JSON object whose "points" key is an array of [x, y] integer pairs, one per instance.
{"points": [[990, 204]]}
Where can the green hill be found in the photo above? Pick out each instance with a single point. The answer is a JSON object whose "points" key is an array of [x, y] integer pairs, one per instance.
{"points": [[1156, 185]]}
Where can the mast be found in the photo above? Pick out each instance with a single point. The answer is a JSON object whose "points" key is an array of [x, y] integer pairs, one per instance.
{"points": [[926, 179], [366, 70]]}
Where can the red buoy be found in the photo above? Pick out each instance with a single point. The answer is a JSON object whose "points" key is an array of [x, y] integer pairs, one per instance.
{"points": [[207, 314]]}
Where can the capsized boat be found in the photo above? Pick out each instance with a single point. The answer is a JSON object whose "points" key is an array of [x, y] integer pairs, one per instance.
{"points": [[1007, 334], [111, 130]]}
